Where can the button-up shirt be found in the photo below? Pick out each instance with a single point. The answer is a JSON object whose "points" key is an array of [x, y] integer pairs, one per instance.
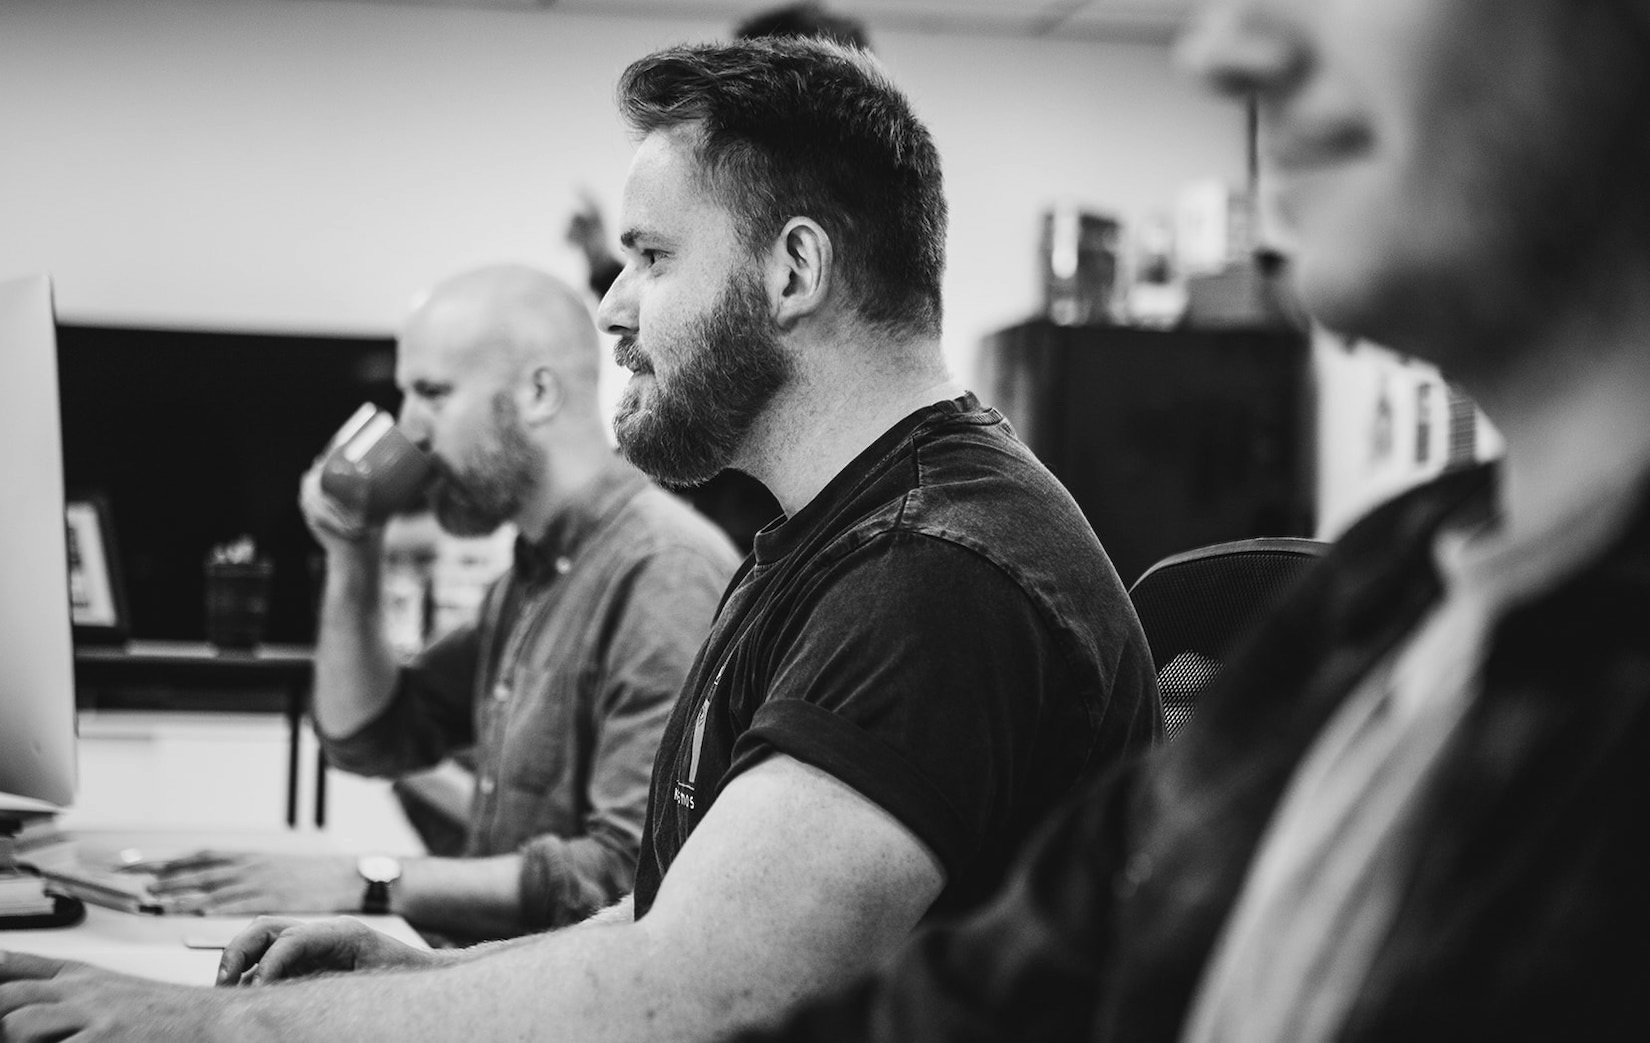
{"points": [[563, 686]]}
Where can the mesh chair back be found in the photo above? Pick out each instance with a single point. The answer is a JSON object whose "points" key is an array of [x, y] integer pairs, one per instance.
{"points": [[1196, 607]]}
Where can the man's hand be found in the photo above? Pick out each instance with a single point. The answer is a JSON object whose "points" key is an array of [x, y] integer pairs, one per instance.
{"points": [[335, 526], [226, 883], [43, 999], [272, 949]]}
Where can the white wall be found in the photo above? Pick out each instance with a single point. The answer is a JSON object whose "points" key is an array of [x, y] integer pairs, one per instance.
{"points": [[1383, 426], [290, 165]]}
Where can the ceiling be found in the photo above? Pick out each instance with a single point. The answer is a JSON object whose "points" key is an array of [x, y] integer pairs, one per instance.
{"points": [[1142, 20]]}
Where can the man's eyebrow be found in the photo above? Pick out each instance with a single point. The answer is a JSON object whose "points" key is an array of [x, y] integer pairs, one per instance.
{"points": [[631, 236]]}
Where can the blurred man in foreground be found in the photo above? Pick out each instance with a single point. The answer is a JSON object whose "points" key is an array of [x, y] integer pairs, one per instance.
{"points": [[929, 653], [1412, 811]]}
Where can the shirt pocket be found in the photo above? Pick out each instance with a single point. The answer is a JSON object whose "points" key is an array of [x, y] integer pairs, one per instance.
{"points": [[539, 733]]}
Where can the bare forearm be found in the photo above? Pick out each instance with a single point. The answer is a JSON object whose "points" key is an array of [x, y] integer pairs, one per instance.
{"points": [[600, 986], [354, 667], [472, 896], [619, 913], [552, 882], [791, 886], [364, 1006]]}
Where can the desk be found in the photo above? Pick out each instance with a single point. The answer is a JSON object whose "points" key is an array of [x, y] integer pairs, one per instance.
{"points": [[230, 675], [154, 946]]}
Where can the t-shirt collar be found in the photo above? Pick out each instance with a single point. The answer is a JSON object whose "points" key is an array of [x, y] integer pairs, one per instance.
{"points": [[783, 535]]}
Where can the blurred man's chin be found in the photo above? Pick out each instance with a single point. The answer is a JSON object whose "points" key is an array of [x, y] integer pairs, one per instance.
{"points": [[457, 516], [465, 524], [1389, 297]]}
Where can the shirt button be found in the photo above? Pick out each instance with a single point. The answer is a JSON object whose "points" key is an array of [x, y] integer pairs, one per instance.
{"points": [[501, 691], [1135, 872], [562, 565], [486, 785]]}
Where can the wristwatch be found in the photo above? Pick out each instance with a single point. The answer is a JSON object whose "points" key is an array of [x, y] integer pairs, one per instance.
{"points": [[379, 871]]}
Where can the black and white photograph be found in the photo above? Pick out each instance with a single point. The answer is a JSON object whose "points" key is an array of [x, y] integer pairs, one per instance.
{"points": [[95, 599], [745, 521]]}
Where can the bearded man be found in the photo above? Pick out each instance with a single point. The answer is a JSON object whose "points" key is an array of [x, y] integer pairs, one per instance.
{"points": [[927, 653], [563, 683]]}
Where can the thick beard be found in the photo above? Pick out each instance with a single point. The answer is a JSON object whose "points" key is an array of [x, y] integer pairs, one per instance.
{"points": [[694, 424], [488, 490]]}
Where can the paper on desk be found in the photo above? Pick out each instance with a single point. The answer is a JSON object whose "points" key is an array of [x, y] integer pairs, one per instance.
{"points": [[11, 802]]}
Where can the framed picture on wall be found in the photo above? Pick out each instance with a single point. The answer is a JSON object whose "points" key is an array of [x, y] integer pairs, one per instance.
{"points": [[97, 601]]}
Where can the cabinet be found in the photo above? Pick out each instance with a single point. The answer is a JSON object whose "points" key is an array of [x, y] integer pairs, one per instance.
{"points": [[1167, 440], [170, 769], [189, 676]]}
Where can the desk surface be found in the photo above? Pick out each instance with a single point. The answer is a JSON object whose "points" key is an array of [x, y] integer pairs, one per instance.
{"points": [[158, 947]]}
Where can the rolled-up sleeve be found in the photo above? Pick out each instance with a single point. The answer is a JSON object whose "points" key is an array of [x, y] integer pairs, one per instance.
{"points": [[429, 715]]}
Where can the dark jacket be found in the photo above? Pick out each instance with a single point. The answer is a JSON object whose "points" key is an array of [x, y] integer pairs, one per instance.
{"points": [[1527, 913]]}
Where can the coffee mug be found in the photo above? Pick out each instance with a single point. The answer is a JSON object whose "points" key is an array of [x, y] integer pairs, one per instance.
{"points": [[371, 467], [237, 602]]}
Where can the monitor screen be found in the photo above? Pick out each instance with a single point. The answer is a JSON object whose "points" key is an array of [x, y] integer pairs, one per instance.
{"points": [[191, 439], [37, 706]]}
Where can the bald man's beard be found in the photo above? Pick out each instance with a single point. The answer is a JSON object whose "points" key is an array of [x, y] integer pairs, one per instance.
{"points": [[695, 423], [489, 488]]}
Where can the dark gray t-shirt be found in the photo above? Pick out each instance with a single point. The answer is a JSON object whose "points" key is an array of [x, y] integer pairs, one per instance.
{"points": [[939, 629]]}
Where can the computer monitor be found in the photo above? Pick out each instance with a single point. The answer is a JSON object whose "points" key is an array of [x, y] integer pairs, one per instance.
{"points": [[37, 704]]}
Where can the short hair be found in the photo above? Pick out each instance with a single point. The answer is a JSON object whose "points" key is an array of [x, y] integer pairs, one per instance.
{"points": [[792, 127], [805, 19]]}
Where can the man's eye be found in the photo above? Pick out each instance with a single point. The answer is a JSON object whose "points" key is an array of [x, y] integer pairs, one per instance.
{"points": [[649, 257]]}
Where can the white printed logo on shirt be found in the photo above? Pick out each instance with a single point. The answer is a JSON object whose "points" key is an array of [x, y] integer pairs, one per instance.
{"points": [[685, 787]]}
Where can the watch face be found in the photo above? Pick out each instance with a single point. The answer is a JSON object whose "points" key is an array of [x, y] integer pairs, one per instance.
{"points": [[379, 869]]}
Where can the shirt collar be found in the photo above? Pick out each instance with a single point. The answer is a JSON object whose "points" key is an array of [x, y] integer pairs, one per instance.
{"points": [[570, 528], [784, 534]]}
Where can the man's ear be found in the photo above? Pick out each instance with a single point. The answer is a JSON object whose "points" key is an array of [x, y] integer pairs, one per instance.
{"points": [[801, 271], [541, 395]]}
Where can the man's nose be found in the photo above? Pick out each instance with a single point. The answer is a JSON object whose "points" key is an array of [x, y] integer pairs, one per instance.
{"points": [[1243, 48], [414, 422], [617, 312]]}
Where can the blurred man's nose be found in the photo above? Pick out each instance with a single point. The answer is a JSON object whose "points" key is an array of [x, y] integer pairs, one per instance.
{"points": [[414, 421], [1244, 47]]}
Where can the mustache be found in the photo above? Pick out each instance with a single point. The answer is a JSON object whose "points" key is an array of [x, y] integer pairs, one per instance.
{"points": [[626, 354]]}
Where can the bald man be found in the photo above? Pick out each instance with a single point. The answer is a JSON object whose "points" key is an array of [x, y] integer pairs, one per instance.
{"points": [[563, 684]]}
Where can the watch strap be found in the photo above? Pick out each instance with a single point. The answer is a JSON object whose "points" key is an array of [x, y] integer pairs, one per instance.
{"points": [[375, 901]]}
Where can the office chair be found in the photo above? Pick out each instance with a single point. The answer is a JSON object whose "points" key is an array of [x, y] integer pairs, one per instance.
{"points": [[1196, 605]]}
